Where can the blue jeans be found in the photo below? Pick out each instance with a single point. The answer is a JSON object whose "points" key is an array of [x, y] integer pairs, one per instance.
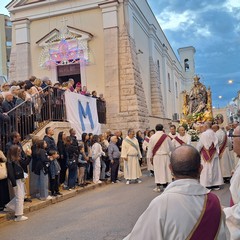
{"points": [[103, 169], [43, 185], [72, 176]]}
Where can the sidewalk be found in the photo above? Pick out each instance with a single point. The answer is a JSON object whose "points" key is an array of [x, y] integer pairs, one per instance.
{"points": [[37, 204]]}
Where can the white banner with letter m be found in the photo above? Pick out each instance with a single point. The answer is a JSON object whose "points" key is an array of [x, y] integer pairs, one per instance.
{"points": [[82, 113]]}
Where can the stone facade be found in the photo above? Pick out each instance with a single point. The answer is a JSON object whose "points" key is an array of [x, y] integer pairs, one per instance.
{"points": [[156, 93], [133, 107]]}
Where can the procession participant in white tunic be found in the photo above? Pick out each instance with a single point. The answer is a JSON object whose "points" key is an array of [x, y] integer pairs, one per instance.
{"points": [[131, 154], [173, 132], [181, 138], [145, 148], [186, 209], [211, 176], [233, 212], [226, 161], [159, 149]]}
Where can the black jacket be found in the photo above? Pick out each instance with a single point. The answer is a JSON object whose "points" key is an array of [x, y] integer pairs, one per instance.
{"points": [[14, 171], [51, 145], [25, 160], [42, 162]]}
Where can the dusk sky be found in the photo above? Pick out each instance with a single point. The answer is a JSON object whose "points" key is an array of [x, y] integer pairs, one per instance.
{"points": [[213, 28]]}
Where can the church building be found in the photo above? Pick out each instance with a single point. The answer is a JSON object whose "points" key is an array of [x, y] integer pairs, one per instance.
{"points": [[115, 47]]}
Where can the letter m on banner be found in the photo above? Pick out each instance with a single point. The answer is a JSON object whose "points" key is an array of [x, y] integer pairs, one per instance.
{"points": [[84, 114]]}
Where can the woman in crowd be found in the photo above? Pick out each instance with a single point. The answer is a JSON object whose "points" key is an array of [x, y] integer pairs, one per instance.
{"points": [[97, 153], [72, 153], [145, 148], [42, 169], [16, 176], [62, 157], [82, 166], [4, 191], [104, 159], [88, 152]]}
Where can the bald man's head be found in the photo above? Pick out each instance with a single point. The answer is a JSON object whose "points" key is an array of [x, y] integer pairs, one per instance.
{"points": [[236, 140], [185, 162]]}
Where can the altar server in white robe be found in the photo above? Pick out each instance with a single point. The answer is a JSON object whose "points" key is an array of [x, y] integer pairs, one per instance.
{"points": [[226, 161], [131, 154], [211, 175], [183, 210], [181, 138], [233, 212], [159, 150], [145, 148]]}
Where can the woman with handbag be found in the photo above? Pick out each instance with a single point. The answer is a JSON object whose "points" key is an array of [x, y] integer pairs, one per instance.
{"points": [[16, 176], [4, 191], [42, 169]]}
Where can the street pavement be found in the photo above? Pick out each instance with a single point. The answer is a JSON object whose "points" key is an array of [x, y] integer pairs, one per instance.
{"points": [[105, 213]]}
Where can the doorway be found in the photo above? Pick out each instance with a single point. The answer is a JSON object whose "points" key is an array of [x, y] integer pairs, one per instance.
{"points": [[64, 72]]}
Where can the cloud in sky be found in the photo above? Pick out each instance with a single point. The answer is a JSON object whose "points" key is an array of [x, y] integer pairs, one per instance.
{"points": [[213, 28]]}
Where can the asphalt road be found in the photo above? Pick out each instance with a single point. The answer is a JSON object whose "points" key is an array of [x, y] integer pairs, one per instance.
{"points": [[105, 213]]}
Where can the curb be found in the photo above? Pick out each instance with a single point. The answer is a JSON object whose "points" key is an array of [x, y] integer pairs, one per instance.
{"points": [[37, 204]]}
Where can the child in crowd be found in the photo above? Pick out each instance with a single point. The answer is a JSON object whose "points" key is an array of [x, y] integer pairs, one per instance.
{"points": [[82, 165], [54, 172]]}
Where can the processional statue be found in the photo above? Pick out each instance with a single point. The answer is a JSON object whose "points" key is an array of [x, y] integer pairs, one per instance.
{"points": [[197, 104]]}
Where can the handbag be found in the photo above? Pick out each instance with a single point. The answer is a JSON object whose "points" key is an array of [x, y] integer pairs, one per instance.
{"points": [[3, 170]]}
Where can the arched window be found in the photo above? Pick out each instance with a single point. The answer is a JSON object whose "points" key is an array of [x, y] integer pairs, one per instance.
{"points": [[186, 65]]}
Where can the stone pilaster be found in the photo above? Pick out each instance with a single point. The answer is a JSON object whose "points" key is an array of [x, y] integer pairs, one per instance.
{"points": [[133, 107], [20, 67], [156, 93]]}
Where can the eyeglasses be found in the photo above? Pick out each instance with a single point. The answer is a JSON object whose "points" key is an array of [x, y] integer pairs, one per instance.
{"points": [[234, 135]]}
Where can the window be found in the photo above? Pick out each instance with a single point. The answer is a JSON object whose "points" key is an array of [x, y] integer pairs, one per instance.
{"points": [[169, 83], [186, 65], [158, 69], [176, 89]]}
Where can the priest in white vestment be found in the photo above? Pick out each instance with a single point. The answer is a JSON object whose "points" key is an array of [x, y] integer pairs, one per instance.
{"points": [[131, 154], [233, 212], [178, 213], [181, 138], [211, 175], [173, 133], [226, 161], [160, 158]]}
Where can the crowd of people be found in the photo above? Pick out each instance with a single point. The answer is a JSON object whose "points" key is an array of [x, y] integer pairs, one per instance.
{"points": [[26, 104], [69, 163]]}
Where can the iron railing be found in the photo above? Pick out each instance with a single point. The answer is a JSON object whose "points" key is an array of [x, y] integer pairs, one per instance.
{"points": [[33, 114]]}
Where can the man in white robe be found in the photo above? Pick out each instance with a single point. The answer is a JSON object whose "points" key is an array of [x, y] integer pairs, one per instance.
{"points": [[181, 138], [226, 161], [211, 176], [160, 156], [233, 212], [173, 132], [178, 213], [131, 154]]}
